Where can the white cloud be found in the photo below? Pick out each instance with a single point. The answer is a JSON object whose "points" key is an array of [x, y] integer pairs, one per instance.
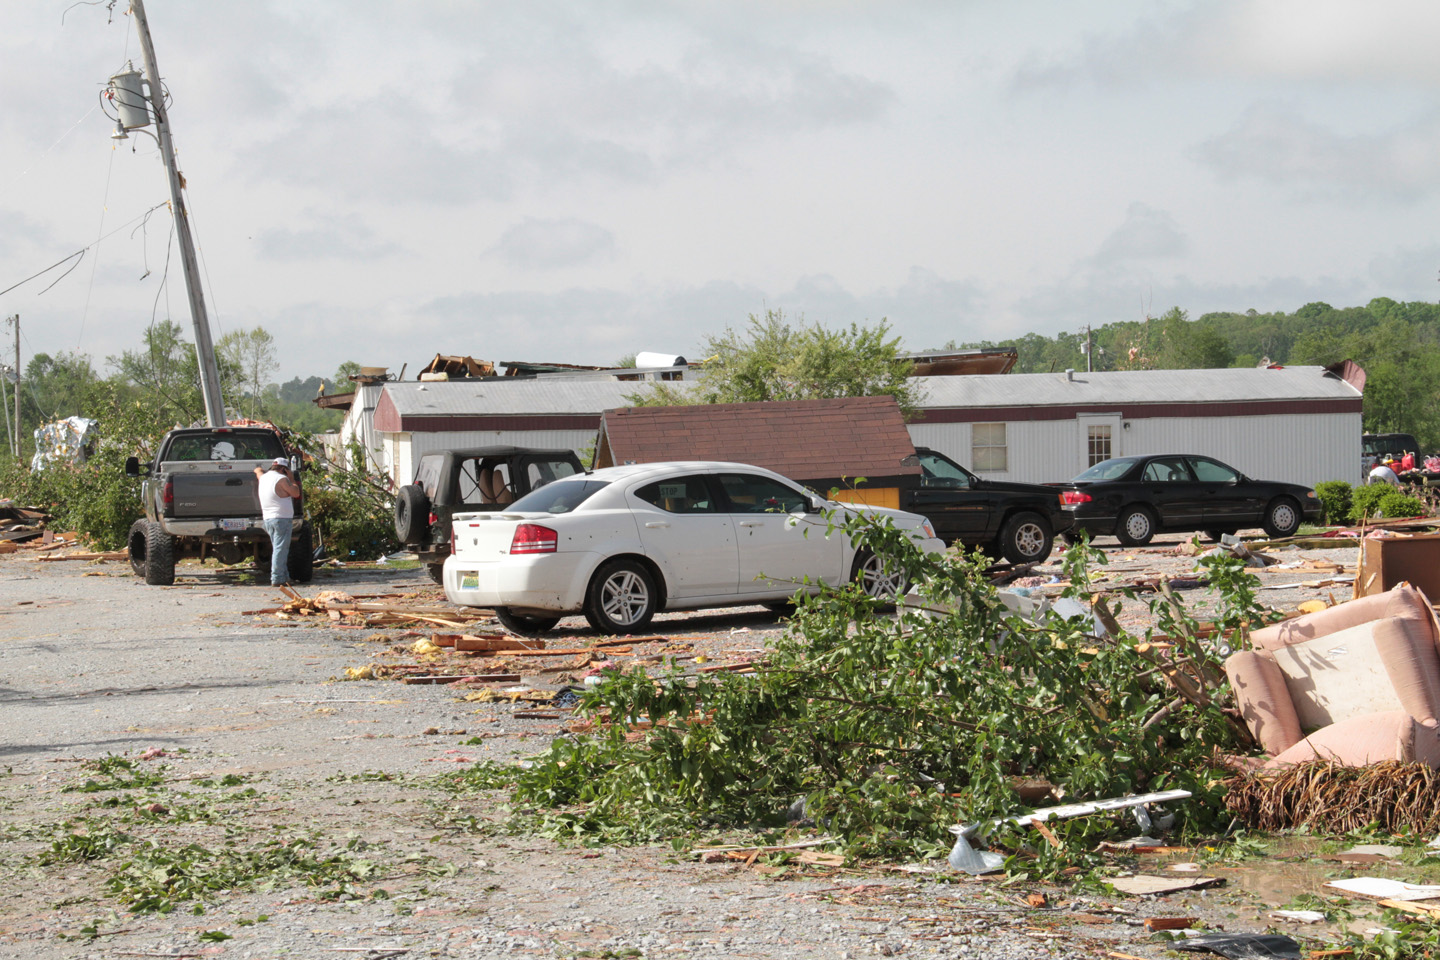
{"points": [[1275, 144], [550, 244], [1147, 233], [323, 237]]}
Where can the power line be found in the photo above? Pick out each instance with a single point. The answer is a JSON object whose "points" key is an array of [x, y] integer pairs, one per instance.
{"points": [[80, 252]]}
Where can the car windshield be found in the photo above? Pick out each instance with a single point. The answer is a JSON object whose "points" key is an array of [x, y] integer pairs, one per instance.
{"points": [[562, 496], [1106, 470]]}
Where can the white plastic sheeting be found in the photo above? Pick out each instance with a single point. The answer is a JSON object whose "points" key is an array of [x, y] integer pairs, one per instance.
{"points": [[64, 441]]}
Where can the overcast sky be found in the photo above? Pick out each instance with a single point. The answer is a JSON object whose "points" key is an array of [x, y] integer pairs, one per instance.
{"points": [[381, 181]]}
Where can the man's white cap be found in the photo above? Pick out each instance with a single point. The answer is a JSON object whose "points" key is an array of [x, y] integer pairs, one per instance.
{"points": [[281, 462]]}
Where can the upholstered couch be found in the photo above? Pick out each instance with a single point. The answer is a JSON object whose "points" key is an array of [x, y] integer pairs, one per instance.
{"points": [[1357, 683]]}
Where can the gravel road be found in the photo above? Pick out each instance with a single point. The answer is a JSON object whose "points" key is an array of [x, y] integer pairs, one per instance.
{"points": [[244, 735]]}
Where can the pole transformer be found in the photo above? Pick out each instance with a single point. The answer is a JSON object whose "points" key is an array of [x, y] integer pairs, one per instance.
{"points": [[204, 347]]}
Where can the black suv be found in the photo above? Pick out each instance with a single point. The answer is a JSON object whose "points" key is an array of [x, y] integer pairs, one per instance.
{"points": [[1019, 521], [472, 480]]}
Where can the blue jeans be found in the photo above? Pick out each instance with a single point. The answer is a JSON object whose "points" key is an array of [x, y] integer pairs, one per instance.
{"points": [[279, 531]]}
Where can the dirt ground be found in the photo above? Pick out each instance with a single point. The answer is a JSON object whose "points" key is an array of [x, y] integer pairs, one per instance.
{"points": [[240, 737]]}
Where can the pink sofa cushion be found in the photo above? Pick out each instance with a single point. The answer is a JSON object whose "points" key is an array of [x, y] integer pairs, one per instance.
{"points": [[1264, 700], [1402, 601], [1371, 738]]}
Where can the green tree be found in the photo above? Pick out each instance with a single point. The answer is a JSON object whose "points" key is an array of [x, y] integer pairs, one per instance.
{"points": [[250, 356], [343, 373], [166, 370], [771, 359], [57, 387]]}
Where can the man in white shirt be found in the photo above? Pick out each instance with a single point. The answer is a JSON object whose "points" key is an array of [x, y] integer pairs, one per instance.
{"points": [[278, 491]]}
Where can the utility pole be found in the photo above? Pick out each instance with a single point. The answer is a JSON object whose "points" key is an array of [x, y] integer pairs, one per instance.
{"points": [[204, 347], [1089, 351], [15, 437]]}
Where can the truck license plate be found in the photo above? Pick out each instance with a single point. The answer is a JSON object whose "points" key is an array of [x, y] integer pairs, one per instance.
{"points": [[234, 524]]}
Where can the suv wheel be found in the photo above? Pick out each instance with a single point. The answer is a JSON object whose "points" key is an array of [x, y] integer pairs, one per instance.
{"points": [[412, 513], [1026, 538]]}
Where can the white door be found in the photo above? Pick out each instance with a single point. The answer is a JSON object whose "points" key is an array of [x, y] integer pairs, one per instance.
{"points": [[688, 536], [1099, 435], [780, 545]]}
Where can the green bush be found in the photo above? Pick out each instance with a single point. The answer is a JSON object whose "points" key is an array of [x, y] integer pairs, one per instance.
{"points": [[1335, 498], [351, 527], [1383, 500], [1396, 503], [352, 509]]}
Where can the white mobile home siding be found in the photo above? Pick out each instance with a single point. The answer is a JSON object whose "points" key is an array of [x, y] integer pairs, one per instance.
{"points": [[1226, 414], [1296, 449]]}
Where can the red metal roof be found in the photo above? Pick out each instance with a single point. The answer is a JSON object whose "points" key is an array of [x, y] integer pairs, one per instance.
{"points": [[801, 439]]}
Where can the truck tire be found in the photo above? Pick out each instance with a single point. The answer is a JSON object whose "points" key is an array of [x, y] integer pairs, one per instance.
{"points": [[301, 565], [159, 555], [412, 514], [1026, 538], [136, 545]]}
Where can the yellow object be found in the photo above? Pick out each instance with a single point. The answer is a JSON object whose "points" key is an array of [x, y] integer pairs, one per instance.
{"points": [[873, 497], [1313, 606]]}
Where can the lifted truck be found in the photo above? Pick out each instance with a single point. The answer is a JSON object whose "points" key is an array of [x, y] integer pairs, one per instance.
{"points": [[471, 480], [201, 500]]}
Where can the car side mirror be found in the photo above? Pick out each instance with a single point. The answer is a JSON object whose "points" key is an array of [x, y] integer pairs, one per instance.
{"points": [[815, 505], [132, 466]]}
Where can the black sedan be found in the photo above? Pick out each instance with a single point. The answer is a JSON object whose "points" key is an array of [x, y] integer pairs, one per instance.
{"points": [[1133, 498]]}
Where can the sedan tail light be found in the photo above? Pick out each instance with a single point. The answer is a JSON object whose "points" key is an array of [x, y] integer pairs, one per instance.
{"points": [[1075, 496], [533, 538]]}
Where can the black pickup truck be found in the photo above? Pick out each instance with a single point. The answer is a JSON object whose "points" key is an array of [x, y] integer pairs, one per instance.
{"points": [[1019, 521], [201, 500], [471, 480]]}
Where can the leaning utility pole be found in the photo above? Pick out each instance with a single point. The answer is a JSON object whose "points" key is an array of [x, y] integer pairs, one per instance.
{"points": [[204, 347]]}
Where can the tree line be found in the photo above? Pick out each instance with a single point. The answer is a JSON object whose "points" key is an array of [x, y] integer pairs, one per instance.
{"points": [[160, 381]]}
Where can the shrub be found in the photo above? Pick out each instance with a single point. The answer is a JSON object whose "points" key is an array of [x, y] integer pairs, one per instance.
{"points": [[1383, 500], [352, 510], [1335, 498], [1397, 503]]}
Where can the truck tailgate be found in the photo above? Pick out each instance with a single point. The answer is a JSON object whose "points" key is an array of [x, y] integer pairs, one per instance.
{"points": [[227, 494]]}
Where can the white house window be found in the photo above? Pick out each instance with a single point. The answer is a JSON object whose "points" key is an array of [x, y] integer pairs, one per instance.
{"points": [[987, 448], [1098, 444]]}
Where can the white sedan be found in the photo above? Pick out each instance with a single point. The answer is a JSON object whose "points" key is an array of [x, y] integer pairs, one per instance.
{"points": [[621, 543]]}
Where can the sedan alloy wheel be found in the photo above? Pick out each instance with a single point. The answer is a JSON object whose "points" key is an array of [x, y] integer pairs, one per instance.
{"points": [[876, 579], [622, 597]]}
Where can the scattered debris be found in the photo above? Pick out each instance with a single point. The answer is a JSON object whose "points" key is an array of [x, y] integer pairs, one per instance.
{"points": [[1142, 885], [1381, 888], [966, 858], [1241, 946]]}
